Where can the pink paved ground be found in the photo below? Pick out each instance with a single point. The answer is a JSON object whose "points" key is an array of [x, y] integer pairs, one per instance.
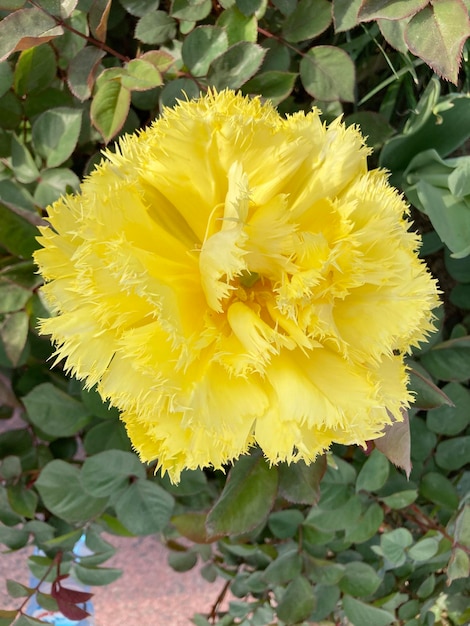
{"points": [[149, 593]]}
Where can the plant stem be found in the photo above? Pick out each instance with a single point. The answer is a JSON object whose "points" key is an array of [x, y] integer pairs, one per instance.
{"points": [[55, 563], [91, 40]]}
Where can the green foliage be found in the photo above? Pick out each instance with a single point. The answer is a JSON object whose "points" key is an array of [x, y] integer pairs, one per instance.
{"points": [[348, 539]]}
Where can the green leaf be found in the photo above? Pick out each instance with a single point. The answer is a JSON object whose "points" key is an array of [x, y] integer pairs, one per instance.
{"points": [[284, 524], [22, 500], [326, 572], [277, 58], [451, 420], [374, 472], [13, 538], [449, 360], [13, 334], [202, 46], [108, 435], [437, 35], [374, 127], [7, 515], [23, 164], [12, 297], [449, 215], [327, 73], [6, 78], [10, 468], [17, 590], [359, 579], [139, 8], [394, 545], [453, 454], [409, 610], [424, 549], [442, 124], [11, 5], [109, 108], [283, 569], [345, 14], [297, 602], [59, 8], [55, 134], [182, 561], [424, 441], [191, 10], [53, 184], [113, 525], [104, 473], [157, 28], [55, 412], [192, 525], [342, 517], [394, 33], [459, 269], [141, 75], [5, 143], [459, 179], [35, 70], [24, 29], [82, 71], [376, 9], [401, 499], [96, 576], [238, 27], [249, 7], [300, 483], [427, 394], [160, 59], [15, 195], [360, 613], [273, 85], [176, 90], [60, 487], [144, 508], [308, 20], [236, 65], [460, 296], [11, 111], [26, 620], [459, 565], [462, 526], [95, 404], [246, 499], [327, 600], [15, 441], [367, 525]]}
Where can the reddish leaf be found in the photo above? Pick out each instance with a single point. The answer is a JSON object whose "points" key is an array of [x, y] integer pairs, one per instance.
{"points": [[98, 18], [376, 9], [72, 611], [437, 35], [24, 29], [396, 443], [73, 596]]}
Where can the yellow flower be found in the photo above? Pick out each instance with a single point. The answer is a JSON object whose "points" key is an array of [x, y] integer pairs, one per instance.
{"points": [[228, 278]]}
